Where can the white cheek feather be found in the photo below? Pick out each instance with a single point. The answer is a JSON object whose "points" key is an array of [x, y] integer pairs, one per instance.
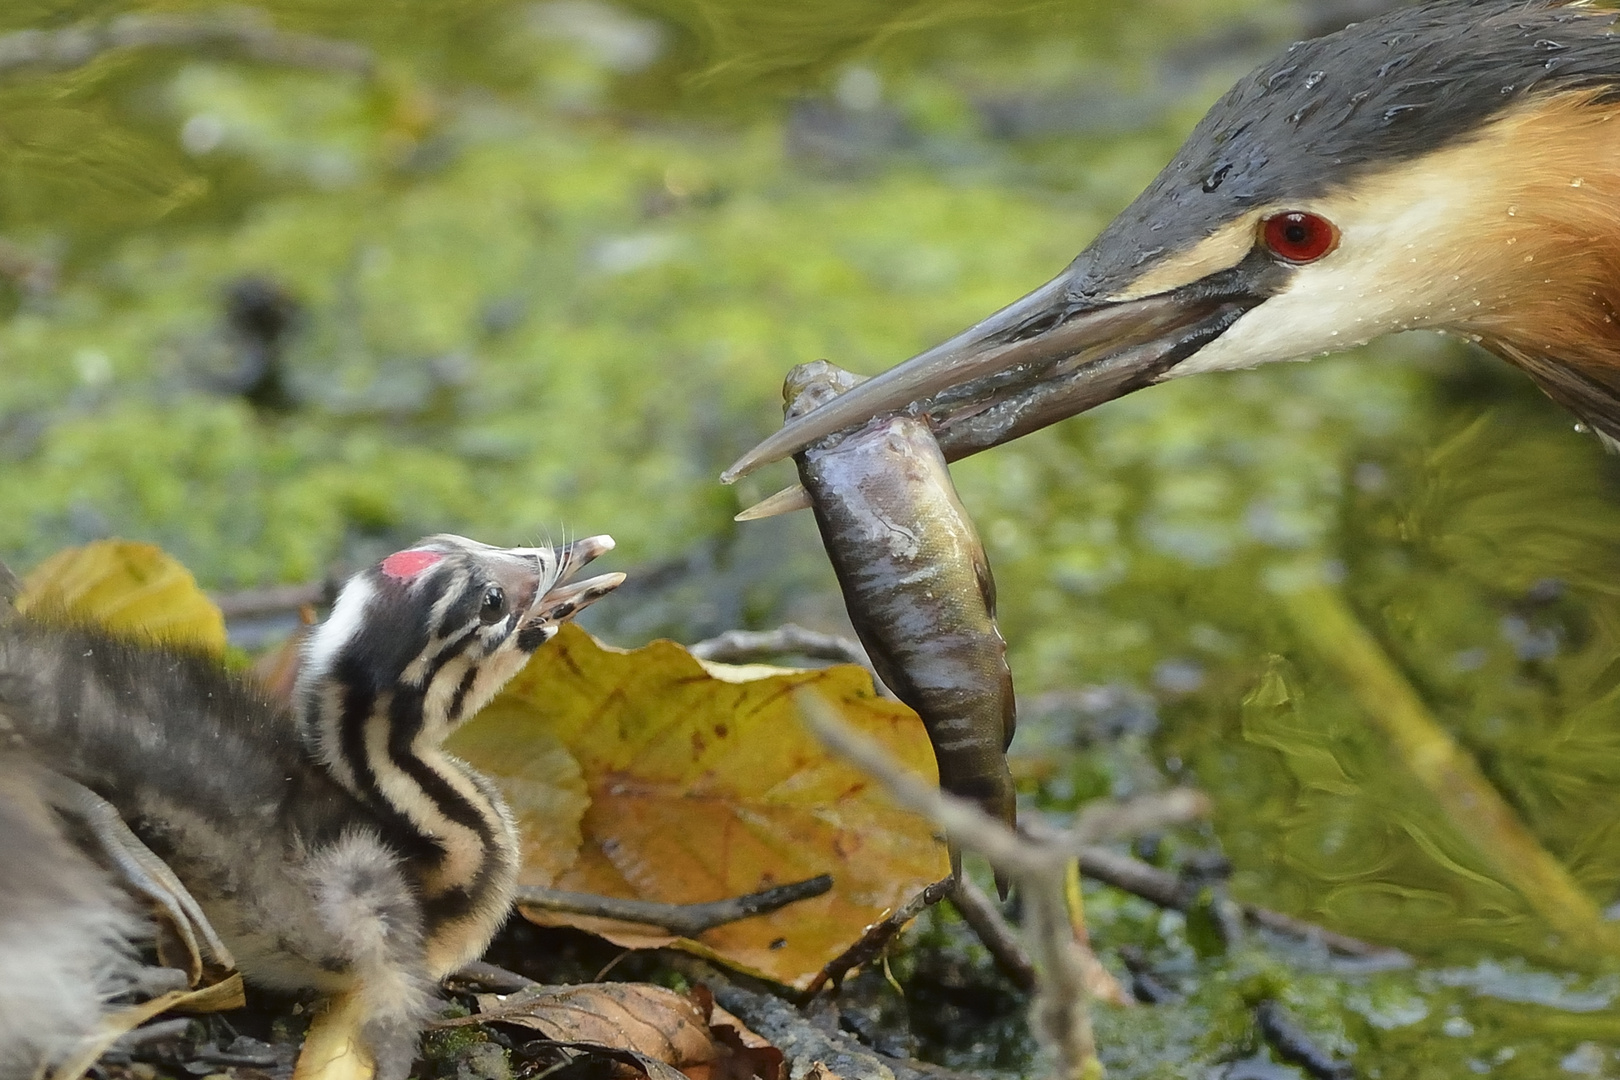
{"points": [[1389, 273], [1298, 324], [330, 636]]}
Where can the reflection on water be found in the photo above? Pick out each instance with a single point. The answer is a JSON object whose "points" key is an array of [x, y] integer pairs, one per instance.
{"points": [[549, 262]]}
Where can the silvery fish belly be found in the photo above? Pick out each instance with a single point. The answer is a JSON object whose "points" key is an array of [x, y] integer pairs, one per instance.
{"points": [[916, 583]]}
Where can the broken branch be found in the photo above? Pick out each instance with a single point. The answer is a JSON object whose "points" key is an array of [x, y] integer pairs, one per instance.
{"points": [[752, 646], [877, 936], [1166, 890], [982, 917], [746, 646], [1060, 1010], [685, 920]]}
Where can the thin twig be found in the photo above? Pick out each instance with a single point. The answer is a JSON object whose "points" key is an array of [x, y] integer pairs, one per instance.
{"points": [[878, 935], [744, 646], [1295, 1045], [802, 1041], [1145, 983], [1166, 890], [273, 600], [685, 920], [1061, 1007], [1060, 1011], [1134, 876], [752, 646], [1113, 819], [244, 30], [491, 978], [1332, 940], [984, 919]]}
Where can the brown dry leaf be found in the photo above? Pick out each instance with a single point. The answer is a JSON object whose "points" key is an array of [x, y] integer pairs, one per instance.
{"points": [[747, 1054], [643, 1028], [647, 1020], [702, 784], [722, 1021], [128, 588]]}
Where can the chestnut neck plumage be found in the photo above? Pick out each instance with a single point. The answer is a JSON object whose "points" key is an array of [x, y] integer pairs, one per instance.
{"points": [[1546, 249]]}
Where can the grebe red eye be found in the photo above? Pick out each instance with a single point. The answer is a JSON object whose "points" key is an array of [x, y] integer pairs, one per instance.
{"points": [[1298, 236]]}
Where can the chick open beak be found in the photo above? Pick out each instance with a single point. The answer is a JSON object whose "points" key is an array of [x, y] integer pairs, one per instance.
{"points": [[565, 598]]}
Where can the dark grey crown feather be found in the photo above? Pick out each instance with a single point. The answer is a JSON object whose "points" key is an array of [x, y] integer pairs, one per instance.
{"points": [[1327, 110]]}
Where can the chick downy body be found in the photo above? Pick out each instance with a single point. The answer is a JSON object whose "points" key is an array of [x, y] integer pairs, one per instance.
{"points": [[334, 847]]}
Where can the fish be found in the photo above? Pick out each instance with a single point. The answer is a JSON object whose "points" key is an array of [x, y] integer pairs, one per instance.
{"points": [[916, 583]]}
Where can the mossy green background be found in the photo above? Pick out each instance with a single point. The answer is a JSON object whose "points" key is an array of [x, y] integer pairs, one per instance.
{"points": [[553, 261]]}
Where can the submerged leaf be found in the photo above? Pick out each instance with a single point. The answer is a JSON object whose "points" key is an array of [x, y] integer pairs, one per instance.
{"points": [[127, 588], [703, 784]]}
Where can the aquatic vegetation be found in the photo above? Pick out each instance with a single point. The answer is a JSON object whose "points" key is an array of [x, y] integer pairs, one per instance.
{"points": [[549, 265]]}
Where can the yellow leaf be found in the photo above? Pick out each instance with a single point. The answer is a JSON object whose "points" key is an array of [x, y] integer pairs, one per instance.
{"points": [[219, 997], [542, 784], [223, 996], [127, 588], [703, 787]]}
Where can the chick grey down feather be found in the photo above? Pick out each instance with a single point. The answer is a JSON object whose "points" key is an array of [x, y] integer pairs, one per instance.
{"points": [[338, 850], [65, 931], [212, 777]]}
